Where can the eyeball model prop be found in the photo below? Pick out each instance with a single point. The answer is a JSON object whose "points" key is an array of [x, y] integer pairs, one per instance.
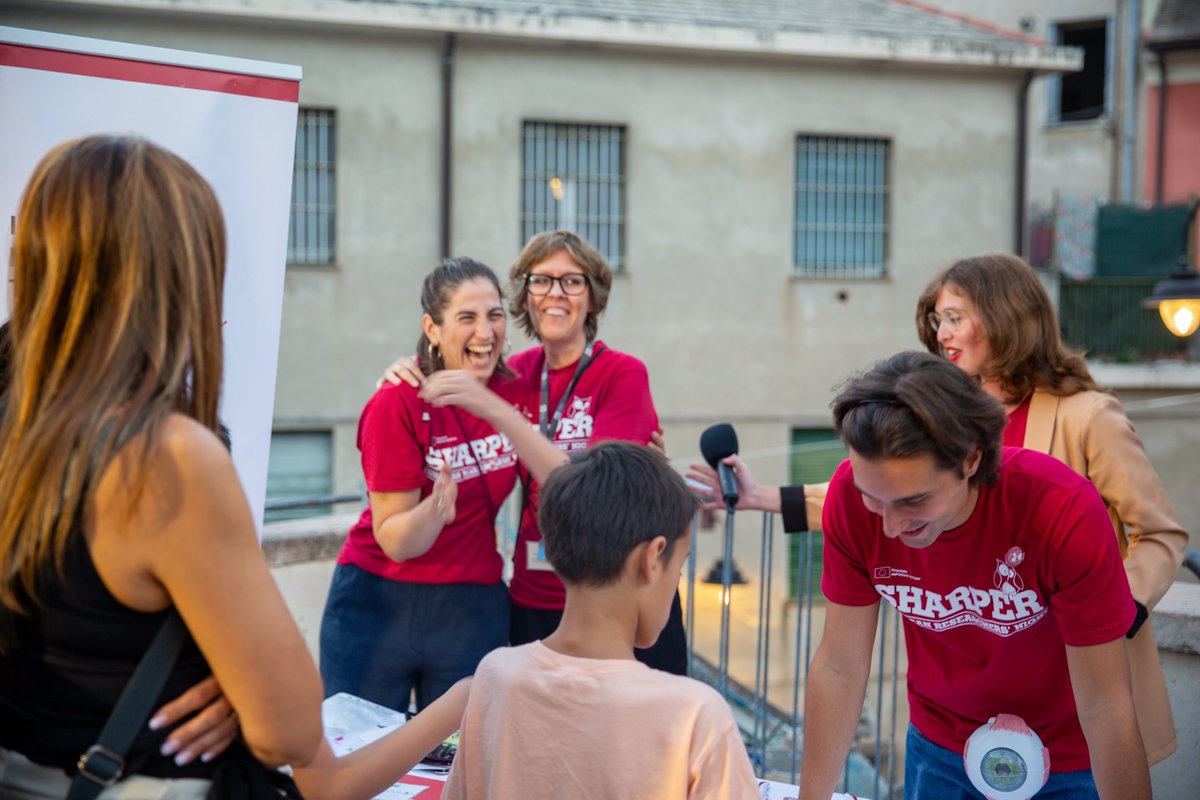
{"points": [[1006, 760]]}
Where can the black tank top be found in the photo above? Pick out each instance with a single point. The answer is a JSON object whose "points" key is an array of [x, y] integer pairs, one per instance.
{"points": [[73, 656]]}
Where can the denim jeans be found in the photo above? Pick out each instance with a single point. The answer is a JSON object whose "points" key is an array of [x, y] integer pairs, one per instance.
{"points": [[381, 639], [932, 772]]}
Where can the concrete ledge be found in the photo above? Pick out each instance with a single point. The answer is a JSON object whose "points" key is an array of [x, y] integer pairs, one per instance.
{"points": [[1177, 619], [1151, 375], [314, 539]]}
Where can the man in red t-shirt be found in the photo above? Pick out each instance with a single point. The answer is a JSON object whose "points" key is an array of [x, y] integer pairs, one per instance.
{"points": [[1003, 565]]}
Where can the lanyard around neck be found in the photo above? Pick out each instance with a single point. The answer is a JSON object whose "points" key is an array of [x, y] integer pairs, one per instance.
{"points": [[549, 426]]}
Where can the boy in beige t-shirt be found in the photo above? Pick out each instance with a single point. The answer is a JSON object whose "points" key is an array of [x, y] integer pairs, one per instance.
{"points": [[575, 715]]}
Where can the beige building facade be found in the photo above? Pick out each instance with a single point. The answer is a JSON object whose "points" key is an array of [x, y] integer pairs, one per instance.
{"points": [[712, 117]]}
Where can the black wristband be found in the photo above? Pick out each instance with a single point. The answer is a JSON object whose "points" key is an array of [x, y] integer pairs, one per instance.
{"points": [[1138, 620], [794, 508]]}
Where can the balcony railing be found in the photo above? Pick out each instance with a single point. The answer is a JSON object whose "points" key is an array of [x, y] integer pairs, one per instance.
{"points": [[1104, 317]]}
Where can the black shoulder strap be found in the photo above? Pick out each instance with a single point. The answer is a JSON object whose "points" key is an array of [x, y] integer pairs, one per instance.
{"points": [[104, 762]]}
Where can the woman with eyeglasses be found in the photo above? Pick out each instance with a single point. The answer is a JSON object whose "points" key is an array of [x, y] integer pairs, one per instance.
{"points": [[576, 391], [991, 317], [417, 598]]}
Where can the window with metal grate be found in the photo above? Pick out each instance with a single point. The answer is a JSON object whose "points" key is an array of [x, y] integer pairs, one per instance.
{"points": [[312, 235], [841, 225], [573, 177]]}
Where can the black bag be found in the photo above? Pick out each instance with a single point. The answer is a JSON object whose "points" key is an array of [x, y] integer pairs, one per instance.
{"points": [[237, 776], [241, 776]]}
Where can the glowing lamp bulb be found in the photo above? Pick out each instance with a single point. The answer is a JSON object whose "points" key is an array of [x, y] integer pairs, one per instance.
{"points": [[1181, 317], [1005, 759]]}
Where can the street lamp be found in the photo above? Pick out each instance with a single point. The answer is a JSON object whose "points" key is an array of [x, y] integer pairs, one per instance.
{"points": [[714, 574], [1178, 297], [715, 577]]}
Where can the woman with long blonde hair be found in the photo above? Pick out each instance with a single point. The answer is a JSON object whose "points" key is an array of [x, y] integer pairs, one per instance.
{"points": [[121, 503]]}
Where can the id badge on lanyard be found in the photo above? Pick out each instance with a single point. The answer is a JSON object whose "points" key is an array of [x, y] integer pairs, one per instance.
{"points": [[535, 557]]}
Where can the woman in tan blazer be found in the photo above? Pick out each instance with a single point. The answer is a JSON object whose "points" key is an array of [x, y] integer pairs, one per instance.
{"points": [[992, 317]]}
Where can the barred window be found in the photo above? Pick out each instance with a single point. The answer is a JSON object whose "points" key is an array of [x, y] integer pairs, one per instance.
{"points": [[841, 207], [312, 233], [300, 465], [573, 177]]}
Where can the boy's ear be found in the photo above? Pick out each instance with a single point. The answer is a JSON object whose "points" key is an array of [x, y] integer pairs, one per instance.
{"points": [[649, 557]]}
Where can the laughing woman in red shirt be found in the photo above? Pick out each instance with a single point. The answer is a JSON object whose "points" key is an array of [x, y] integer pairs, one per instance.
{"points": [[417, 598]]}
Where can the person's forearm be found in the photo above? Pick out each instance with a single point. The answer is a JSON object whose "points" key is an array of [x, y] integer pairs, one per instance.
{"points": [[763, 498], [1118, 758], [411, 533], [537, 453], [1152, 562], [371, 770], [832, 705]]}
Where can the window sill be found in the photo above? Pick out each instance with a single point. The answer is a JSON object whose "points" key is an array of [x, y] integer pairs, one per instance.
{"points": [[885, 278], [312, 266], [1098, 123]]}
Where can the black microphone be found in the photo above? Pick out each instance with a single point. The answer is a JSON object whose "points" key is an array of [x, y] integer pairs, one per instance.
{"points": [[717, 443]]}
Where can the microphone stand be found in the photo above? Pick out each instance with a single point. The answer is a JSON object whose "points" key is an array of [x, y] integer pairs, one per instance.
{"points": [[726, 596]]}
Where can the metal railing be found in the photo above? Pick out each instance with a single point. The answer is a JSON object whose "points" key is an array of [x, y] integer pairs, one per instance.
{"points": [[772, 732], [279, 509], [1192, 561], [1105, 317], [320, 501]]}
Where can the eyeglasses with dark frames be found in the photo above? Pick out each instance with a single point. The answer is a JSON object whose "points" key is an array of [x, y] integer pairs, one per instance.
{"points": [[573, 283]]}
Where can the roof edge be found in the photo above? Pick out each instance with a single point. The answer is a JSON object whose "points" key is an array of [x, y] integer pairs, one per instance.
{"points": [[983, 25], [1021, 56]]}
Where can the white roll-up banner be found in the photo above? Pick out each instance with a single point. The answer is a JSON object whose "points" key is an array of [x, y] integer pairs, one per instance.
{"points": [[234, 120]]}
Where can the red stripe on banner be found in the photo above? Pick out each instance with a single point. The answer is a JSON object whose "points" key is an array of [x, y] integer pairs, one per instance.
{"points": [[122, 69]]}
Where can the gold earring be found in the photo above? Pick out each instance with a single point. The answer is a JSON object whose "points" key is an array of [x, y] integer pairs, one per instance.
{"points": [[435, 353]]}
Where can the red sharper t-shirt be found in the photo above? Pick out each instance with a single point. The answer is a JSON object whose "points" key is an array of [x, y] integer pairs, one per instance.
{"points": [[988, 607], [403, 441]]}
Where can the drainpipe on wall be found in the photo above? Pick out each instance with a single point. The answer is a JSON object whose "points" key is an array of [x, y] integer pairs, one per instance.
{"points": [[1022, 156], [1130, 100], [1160, 158], [447, 139]]}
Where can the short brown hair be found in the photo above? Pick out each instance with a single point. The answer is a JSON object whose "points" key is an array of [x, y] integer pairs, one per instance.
{"points": [[915, 403], [1019, 322], [605, 502], [587, 258]]}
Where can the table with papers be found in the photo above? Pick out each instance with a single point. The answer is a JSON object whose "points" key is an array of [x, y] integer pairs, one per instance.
{"points": [[352, 722]]}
